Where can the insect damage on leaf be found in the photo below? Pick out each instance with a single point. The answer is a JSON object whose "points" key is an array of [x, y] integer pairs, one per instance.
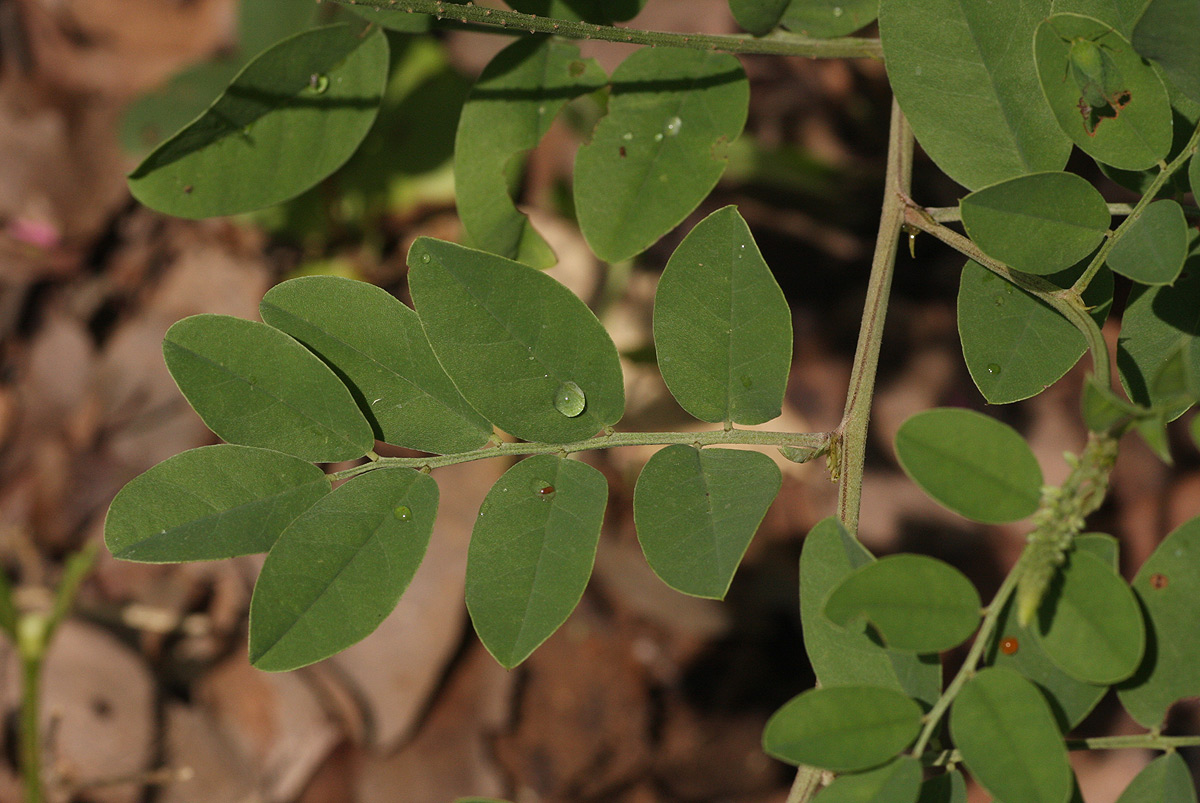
{"points": [[1098, 79]]}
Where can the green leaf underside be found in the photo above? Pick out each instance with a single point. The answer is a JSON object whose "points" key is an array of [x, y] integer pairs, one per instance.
{"points": [[1008, 739], [340, 568], [949, 787], [1132, 132], [660, 149], [1070, 699], [722, 327], [968, 90], [255, 386], [1158, 321], [898, 781], [1168, 586], [915, 603], [696, 511], [1090, 624], [845, 728], [1166, 779], [1040, 223], [211, 503], [289, 119], [758, 16], [507, 113], [850, 657], [829, 18], [532, 552], [510, 337], [1166, 34], [1154, 247], [970, 463], [377, 346], [603, 12], [1015, 345], [1120, 14]]}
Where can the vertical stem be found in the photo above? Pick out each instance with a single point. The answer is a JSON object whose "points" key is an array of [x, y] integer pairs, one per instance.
{"points": [[31, 647], [852, 432]]}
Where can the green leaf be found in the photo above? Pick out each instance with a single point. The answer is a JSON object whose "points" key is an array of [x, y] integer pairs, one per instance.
{"points": [[394, 19], [974, 465], [915, 602], [660, 149], [758, 16], [1157, 322], [696, 511], [722, 328], [255, 386], [532, 552], [154, 116], [340, 568], [1168, 586], [949, 787], [1041, 223], [1115, 107], [1104, 410], [1089, 623], [1164, 779], [1153, 248], [603, 12], [1166, 34], [1194, 175], [850, 657], [1121, 14], [378, 348], [1185, 114], [826, 19], [1017, 648], [1015, 345], [514, 340], [509, 110], [898, 781], [969, 91], [289, 119], [845, 728], [262, 23], [1008, 739], [210, 503]]}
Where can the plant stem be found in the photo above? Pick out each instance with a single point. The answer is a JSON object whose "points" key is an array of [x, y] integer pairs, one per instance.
{"points": [[852, 431], [31, 731], [748, 437], [1147, 198], [808, 781], [953, 214], [1067, 302], [1136, 741], [774, 45]]}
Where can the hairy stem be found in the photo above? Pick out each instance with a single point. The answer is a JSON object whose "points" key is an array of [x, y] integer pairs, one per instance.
{"points": [[748, 437], [777, 44]]}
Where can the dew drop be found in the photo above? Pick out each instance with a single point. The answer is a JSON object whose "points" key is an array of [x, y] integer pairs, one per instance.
{"points": [[673, 126], [424, 257], [658, 137], [318, 82], [837, 11], [628, 135], [543, 489], [1009, 646], [993, 369], [403, 512], [569, 399]]}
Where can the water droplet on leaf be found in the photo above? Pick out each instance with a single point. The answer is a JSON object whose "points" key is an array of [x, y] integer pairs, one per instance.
{"points": [[318, 82], [673, 126], [628, 135], [569, 399], [837, 11], [993, 369], [658, 137], [403, 512], [424, 257]]}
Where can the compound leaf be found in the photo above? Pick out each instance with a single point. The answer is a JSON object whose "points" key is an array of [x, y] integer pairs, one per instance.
{"points": [[845, 728], [522, 349], [696, 511], [211, 503], [1040, 223], [1166, 778], [1168, 586], [898, 781], [660, 149], [1009, 740], [915, 603], [290, 118], [849, 656], [255, 386], [377, 346], [1153, 248], [340, 568], [1165, 34], [722, 328], [507, 113], [532, 552], [970, 463], [969, 90]]}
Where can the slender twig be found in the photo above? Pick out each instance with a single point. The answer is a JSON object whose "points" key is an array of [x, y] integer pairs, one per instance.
{"points": [[745, 437], [852, 431], [953, 214], [778, 44]]}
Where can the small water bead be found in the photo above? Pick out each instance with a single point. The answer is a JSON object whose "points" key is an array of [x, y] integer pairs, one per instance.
{"points": [[993, 369], [543, 489], [837, 11], [628, 135], [569, 399], [318, 82], [658, 137], [673, 126], [402, 512], [424, 257]]}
